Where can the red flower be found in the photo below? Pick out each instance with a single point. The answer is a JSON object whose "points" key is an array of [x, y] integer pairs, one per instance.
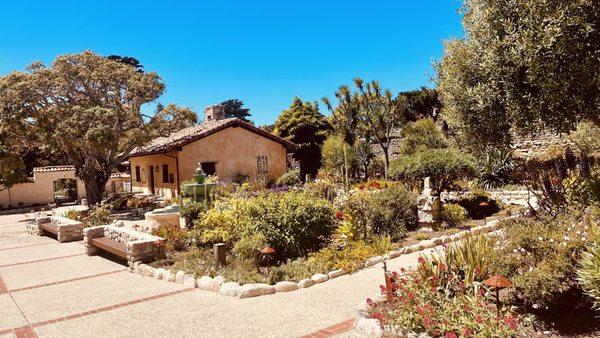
{"points": [[443, 267], [477, 271], [479, 319], [421, 260], [377, 316], [451, 335], [383, 289], [511, 322], [339, 215], [369, 301], [467, 332], [411, 296]]}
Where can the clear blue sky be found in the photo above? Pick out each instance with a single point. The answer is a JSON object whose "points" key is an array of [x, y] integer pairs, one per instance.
{"points": [[263, 52]]}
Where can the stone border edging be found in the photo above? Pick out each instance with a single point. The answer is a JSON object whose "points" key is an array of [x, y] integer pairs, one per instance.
{"points": [[233, 289]]}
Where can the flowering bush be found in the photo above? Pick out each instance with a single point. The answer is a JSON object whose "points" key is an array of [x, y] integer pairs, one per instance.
{"points": [[454, 215], [443, 306], [540, 257], [589, 272]]}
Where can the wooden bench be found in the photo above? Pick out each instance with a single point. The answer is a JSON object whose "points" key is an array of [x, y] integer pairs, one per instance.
{"points": [[110, 246], [64, 229], [49, 227], [123, 242]]}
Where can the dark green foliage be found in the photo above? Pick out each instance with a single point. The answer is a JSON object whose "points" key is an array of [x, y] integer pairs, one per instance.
{"points": [[422, 135], [290, 178], [304, 125], [387, 212], [444, 166], [475, 211], [423, 103], [496, 168], [523, 64], [235, 108], [192, 211], [293, 223]]}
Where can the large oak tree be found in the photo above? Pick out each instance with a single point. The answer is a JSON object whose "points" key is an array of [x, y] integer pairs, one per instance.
{"points": [[86, 104]]}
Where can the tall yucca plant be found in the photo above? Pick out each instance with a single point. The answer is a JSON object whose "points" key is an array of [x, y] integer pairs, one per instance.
{"points": [[496, 168]]}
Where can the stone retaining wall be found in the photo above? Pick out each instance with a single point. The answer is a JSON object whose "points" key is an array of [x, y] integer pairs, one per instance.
{"points": [[141, 247], [507, 197]]}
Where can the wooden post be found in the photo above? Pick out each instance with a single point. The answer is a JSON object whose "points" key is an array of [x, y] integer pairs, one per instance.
{"points": [[220, 255]]}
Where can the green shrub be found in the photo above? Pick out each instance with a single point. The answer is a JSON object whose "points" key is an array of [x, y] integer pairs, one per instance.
{"points": [[444, 166], [293, 223], [454, 215], [290, 178], [350, 257], [99, 215], [176, 239], [386, 212], [540, 257], [191, 212], [76, 215], [224, 222], [474, 210], [496, 168], [589, 272], [422, 135], [196, 261], [321, 188]]}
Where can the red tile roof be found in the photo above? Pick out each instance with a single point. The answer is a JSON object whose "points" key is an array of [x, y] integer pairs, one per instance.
{"points": [[191, 134]]}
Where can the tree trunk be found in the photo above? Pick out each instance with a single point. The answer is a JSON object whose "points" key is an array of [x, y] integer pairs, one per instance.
{"points": [[386, 162], [94, 189]]}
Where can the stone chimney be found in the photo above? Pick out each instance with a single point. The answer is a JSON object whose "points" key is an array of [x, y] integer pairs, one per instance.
{"points": [[214, 113]]}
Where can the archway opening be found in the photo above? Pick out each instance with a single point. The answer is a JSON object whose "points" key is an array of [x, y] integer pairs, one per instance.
{"points": [[65, 191]]}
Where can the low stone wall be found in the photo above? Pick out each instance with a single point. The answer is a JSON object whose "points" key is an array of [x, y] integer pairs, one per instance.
{"points": [[507, 197], [67, 229], [233, 289], [141, 247]]}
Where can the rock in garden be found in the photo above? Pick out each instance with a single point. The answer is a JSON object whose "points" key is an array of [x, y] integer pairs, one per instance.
{"points": [[254, 290], [368, 326], [158, 273], [179, 277], [374, 260], [189, 280], [336, 273], [207, 283], [219, 280], [230, 289], [319, 278], [286, 286], [393, 254], [305, 283]]}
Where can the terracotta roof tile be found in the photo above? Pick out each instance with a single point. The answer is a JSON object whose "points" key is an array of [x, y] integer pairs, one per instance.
{"points": [[194, 133]]}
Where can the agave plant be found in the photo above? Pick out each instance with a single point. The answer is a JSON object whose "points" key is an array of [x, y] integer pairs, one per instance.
{"points": [[496, 168], [589, 273]]}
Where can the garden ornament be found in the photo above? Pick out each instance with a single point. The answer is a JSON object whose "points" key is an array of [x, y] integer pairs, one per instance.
{"points": [[497, 282]]}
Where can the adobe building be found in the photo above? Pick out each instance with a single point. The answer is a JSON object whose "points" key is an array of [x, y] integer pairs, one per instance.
{"points": [[54, 185], [225, 147]]}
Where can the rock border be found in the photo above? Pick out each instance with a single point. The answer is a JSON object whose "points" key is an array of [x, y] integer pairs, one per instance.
{"points": [[232, 289]]}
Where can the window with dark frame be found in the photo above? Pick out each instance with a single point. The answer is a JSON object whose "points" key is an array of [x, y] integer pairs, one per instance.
{"points": [[138, 177], [165, 173], [209, 168], [262, 165]]}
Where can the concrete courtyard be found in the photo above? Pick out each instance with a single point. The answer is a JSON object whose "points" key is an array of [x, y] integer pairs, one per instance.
{"points": [[48, 289]]}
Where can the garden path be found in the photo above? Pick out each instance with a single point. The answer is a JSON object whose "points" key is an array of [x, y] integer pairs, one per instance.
{"points": [[48, 289]]}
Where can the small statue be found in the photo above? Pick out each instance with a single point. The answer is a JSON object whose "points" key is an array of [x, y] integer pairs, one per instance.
{"points": [[429, 206]]}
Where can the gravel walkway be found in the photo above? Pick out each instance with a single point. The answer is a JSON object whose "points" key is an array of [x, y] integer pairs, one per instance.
{"points": [[76, 295]]}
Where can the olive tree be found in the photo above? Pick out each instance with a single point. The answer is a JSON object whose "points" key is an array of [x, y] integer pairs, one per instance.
{"points": [[523, 64]]}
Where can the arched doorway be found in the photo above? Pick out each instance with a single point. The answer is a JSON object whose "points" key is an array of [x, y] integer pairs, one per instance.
{"points": [[65, 191]]}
